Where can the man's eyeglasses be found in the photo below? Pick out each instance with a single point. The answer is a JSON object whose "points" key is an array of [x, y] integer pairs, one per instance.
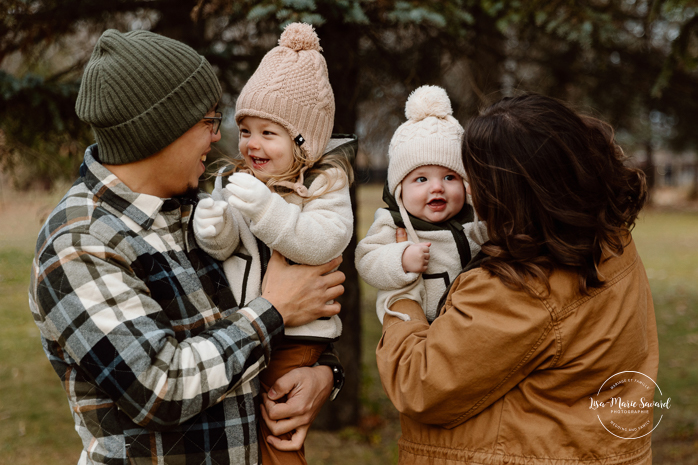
{"points": [[216, 120]]}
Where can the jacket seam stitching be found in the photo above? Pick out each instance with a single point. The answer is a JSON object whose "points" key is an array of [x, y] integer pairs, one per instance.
{"points": [[537, 344], [499, 430], [557, 317], [622, 274], [556, 328], [635, 452]]}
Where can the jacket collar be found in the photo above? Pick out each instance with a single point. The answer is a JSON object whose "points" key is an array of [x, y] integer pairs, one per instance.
{"points": [[107, 188], [612, 267]]}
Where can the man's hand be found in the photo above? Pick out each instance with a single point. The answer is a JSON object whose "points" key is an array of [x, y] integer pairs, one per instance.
{"points": [[415, 258], [306, 390], [209, 218], [301, 293]]}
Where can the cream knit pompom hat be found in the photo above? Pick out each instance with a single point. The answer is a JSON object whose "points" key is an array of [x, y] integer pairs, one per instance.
{"points": [[291, 88], [430, 136]]}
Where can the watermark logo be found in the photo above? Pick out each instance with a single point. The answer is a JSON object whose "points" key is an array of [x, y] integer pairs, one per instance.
{"points": [[625, 405]]}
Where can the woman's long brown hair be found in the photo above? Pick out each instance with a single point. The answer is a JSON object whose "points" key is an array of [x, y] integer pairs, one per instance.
{"points": [[552, 186]]}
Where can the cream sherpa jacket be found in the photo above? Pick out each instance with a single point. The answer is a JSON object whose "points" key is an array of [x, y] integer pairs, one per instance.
{"points": [[307, 232], [379, 258]]}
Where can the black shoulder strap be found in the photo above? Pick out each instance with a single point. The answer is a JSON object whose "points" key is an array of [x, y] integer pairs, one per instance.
{"points": [[474, 263]]}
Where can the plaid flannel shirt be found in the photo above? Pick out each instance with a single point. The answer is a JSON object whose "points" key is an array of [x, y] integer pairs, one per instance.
{"points": [[158, 363]]}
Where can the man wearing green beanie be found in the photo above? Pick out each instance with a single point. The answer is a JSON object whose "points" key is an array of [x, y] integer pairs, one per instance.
{"points": [[139, 324]]}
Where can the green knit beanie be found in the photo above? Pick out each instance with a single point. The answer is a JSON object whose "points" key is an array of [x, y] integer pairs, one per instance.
{"points": [[141, 91]]}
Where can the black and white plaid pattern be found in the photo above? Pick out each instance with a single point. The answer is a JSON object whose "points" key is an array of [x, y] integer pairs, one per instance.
{"points": [[143, 330]]}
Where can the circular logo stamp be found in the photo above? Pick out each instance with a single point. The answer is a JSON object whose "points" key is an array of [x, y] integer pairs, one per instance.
{"points": [[625, 405]]}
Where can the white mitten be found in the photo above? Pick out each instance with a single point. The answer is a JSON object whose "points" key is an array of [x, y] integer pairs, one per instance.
{"points": [[249, 195], [208, 218]]}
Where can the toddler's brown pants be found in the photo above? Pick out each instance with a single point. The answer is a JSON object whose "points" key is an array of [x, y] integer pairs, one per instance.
{"points": [[284, 359]]}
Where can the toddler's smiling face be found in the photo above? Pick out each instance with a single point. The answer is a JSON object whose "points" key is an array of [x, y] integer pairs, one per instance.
{"points": [[266, 147]]}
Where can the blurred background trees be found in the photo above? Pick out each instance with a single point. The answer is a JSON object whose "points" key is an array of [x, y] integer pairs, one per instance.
{"points": [[631, 62]]}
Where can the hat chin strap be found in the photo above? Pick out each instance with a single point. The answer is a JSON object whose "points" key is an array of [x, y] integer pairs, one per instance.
{"points": [[411, 234], [297, 186], [414, 291]]}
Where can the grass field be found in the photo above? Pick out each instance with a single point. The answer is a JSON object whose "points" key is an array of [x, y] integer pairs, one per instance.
{"points": [[35, 422]]}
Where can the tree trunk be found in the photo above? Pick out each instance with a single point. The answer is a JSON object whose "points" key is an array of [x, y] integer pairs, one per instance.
{"points": [[648, 167], [340, 44], [176, 22], [693, 193], [483, 75]]}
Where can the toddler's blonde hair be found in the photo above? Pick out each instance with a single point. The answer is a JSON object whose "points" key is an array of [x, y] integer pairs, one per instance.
{"points": [[337, 158]]}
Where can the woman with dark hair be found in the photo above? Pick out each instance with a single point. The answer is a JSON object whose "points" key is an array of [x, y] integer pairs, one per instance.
{"points": [[556, 303]]}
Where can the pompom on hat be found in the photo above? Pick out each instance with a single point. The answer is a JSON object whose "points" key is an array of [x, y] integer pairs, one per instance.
{"points": [[291, 88], [300, 36], [430, 136]]}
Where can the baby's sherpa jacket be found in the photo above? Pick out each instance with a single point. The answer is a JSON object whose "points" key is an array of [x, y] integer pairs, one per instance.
{"points": [[308, 232], [379, 257]]}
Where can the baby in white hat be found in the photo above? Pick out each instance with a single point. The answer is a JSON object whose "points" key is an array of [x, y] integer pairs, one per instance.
{"points": [[426, 195]]}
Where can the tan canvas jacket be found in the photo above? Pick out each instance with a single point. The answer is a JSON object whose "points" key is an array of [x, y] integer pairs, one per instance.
{"points": [[501, 377]]}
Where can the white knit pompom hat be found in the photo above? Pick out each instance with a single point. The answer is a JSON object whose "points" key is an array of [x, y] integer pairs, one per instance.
{"points": [[430, 136], [291, 88]]}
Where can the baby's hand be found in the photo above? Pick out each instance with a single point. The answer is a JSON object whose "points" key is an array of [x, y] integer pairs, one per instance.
{"points": [[208, 218], [415, 258], [249, 194]]}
